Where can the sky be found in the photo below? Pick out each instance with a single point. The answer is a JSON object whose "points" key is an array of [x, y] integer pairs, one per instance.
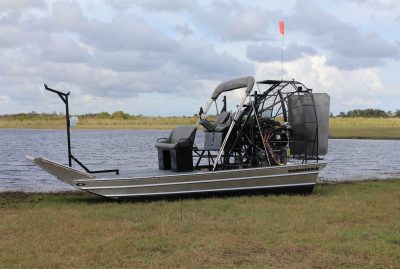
{"points": [[166, 57]]}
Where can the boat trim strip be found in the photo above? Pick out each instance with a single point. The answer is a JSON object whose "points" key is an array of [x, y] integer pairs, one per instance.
{"points": [[209, 190], [320, 164], [191, 182]]}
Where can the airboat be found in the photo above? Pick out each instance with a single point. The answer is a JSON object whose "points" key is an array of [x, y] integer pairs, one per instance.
{"points": [[273, 142]]}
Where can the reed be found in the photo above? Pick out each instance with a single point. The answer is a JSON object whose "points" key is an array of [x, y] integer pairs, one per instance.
{"points": [[354, 225]]}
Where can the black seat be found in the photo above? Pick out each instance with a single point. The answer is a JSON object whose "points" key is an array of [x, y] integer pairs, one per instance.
{"points": [[222, 122], [175, 152]]}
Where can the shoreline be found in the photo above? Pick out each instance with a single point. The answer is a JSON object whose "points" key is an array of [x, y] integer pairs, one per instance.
{"points": [[169, 127], [339, 128], [319, 183]]}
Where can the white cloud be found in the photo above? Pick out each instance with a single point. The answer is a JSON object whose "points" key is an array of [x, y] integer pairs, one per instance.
{"points": [[265, 53], [233, 21], [347, 47], [20, 4], [118, 52], [349, 89], [117, 59], [184, 29], [4, 99]]}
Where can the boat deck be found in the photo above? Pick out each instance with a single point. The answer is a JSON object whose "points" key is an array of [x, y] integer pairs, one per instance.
{"points": [[155, 172]]}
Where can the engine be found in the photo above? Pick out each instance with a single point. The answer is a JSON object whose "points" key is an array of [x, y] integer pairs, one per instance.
{"points": [[270, 142]]}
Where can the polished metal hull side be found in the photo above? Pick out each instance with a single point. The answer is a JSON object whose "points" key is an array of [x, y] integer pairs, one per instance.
{"points": [[62, 172], [290, 176], [301, 176]]}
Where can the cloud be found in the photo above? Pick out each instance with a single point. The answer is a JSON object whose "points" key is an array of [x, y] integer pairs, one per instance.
{"points": [[64, 50], [12, 36], [178, 49], [171, 6], [153, 5], [348, 46], [119, 35], [232, 21], [4, 98], [388, 5], [184, 29], [225, 20], [348, 63], [267, 53], [20, 4], [107, 59], [349, 89]]}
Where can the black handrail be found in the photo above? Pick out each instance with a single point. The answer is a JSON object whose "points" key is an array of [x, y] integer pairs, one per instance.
{"points": [[64, 98]]}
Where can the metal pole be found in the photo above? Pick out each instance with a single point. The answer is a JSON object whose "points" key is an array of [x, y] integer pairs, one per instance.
{"points": [[207, 107], [68, 130], [259, 128], [283, 41], [224, 106], [235, 118]]}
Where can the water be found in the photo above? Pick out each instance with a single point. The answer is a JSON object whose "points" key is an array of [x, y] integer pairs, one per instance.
{"points": [[134, 149]]}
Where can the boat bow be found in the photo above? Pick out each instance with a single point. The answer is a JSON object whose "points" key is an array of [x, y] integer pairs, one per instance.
{"points": [[62, 172]]}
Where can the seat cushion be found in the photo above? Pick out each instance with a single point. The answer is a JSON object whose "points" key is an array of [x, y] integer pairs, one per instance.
{"points": [[223, 122], [166, 146], [180, 137], [222, 118]]}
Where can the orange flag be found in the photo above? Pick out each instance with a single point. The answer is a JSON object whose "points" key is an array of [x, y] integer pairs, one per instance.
{"points": [[282, 27]]}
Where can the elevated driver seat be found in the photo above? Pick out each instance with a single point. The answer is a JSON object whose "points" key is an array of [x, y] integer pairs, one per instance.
{"points": [[222, 122]]}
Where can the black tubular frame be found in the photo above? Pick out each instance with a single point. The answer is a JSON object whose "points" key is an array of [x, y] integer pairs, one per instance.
{"points": [[64, 98], [258, 98]]}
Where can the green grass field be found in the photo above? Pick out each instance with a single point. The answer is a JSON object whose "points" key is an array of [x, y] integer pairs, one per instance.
{"points": [[378, 128], [354, 225], [381, 128]]}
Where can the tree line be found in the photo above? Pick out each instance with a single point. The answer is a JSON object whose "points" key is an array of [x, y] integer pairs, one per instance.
{"points": [[120, 115], [369, 113], [54, 115]]}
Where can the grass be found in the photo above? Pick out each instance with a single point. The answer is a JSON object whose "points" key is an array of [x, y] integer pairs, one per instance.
{"points": [[87, 122], [381, 128], [338, 226], [370, 128]]}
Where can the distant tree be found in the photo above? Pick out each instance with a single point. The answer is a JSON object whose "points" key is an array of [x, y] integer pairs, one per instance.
{"points": [[103, 115], [368, 113], [397, 113], [120, 115]]}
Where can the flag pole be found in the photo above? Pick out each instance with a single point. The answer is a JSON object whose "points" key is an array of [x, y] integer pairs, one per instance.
{"points": [[283, 42], [282, 32]]}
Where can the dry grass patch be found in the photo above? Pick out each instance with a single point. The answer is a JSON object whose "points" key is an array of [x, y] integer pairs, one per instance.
{"points": [[381, 128], [88, 122]]}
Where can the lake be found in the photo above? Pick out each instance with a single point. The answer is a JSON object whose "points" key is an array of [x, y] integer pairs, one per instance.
{"points": [[348, 160]]}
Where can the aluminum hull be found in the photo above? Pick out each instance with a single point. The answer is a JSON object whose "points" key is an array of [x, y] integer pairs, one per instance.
{"points": [[289, 177]]}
